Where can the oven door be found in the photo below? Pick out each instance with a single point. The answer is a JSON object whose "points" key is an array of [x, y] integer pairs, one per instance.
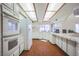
{"points": [[10, 25], [10, 45]]}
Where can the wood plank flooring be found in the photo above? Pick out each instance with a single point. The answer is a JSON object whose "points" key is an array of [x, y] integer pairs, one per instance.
{"points": [[40, 48]]}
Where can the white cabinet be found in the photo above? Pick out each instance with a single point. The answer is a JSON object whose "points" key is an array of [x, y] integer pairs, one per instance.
{"points": [[53, 40], [71, 48], [16, 9], [6, 9], [64, 44], [21, 47], [68, 46], [77, 49], [16, 53], [9, 5], [59, 42]]}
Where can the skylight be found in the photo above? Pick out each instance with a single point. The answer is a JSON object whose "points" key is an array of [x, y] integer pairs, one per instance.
{"points": [[54, 6], [29, 9], [51, 10], [32, 15], [48, 15]]}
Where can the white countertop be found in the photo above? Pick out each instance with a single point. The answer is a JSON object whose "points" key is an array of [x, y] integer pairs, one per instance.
{"points": [[73, 37]]}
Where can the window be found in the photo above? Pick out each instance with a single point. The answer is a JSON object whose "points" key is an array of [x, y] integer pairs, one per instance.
{"points": [[44, 28], [77, 27]]}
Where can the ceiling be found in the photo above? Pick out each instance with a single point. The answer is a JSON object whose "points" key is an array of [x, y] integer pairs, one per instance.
{"points": [[41, 12], [63, 14]]}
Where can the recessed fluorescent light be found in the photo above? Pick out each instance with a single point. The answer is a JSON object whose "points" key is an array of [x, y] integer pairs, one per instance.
{"points": [[54, 6], [27, 6], [48, 15], [32, 15]]}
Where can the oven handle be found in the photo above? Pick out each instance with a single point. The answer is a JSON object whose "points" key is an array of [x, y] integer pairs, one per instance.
{"points": [[6, 40]]}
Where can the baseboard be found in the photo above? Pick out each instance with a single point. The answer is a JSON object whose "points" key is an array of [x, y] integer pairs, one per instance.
{"points": [[23, 51]]}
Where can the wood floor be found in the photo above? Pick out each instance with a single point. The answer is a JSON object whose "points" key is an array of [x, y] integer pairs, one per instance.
{"points": [[40, 48]]}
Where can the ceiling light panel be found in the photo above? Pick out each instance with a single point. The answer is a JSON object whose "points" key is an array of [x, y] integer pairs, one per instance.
{"points": [[48, 15], [54, 6], [32, 15], [27, 6]]}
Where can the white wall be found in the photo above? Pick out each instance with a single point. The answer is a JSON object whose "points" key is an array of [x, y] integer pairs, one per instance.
{"points": [[70, 22], [40, 35], [65, 17]]}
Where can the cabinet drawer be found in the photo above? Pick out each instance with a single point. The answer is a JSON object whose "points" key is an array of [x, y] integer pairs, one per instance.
{"points": [[57, 40]]}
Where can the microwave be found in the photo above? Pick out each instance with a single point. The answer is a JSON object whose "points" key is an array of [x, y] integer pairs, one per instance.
{"points": [[10, 25]]}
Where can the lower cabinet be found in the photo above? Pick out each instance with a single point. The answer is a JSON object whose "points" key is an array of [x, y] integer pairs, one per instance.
{"points": [[71, 48], [21, 47], [59, 43], [77, 49], [16, 53], [64, 44], [67, 45], [53, 40]]}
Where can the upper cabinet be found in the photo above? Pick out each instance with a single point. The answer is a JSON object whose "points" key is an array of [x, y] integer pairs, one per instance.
{"points": [[11, 9]]}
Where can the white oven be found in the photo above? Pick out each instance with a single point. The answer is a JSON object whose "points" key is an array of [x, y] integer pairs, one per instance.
{"points": [[10, 45], [10, 25], [10, 34]]}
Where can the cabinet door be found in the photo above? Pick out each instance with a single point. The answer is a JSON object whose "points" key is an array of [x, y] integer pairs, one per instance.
{"points": [[16, 53], [53, 40], [71, 48], [7, 9], [77, 49], [64, 44], [21, 47], [10, 5], [16, 9], [57, 40], [60, 42]]}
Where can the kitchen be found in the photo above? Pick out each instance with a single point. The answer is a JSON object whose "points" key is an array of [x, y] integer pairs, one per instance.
{"points": [[21, 23]]}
